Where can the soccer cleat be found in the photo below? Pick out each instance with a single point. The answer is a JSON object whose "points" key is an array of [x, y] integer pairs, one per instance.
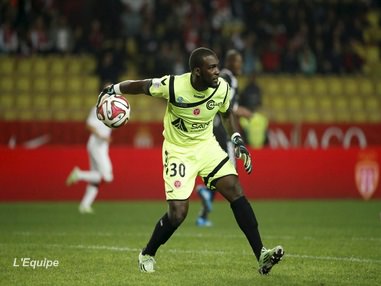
{"points": [[146, 263], [85, 210], [268, 258], [73, 177], [206, 197], [203, 222]]}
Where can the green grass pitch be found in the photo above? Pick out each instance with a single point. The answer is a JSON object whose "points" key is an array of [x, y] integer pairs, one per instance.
{"points": [[326, 243]]}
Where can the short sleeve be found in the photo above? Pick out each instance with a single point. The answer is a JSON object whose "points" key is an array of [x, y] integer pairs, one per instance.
{"points": [[159, 87]]}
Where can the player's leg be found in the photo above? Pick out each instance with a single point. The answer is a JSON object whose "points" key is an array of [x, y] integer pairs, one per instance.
{"points": [[88, 198], [98, 158], [230, 188], [221, 175], [100, 164], [179, 177], [91, 191], [72, 178], [165, 227], [90, 176], [207, 197]]}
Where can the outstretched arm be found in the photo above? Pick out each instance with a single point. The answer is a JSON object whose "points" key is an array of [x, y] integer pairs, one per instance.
{"points": [[126, 87], [133, 87]]}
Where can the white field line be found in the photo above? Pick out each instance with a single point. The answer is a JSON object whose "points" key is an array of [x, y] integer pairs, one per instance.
{"points": [[193, 235], [332, 258], [202, 252]]}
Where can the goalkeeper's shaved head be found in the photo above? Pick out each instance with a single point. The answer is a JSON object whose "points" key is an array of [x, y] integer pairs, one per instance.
{"points": [[197, 56]]}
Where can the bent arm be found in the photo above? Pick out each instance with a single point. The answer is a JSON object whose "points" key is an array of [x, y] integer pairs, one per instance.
{"points": [[240, 150], [125, 87], [229, 122]]}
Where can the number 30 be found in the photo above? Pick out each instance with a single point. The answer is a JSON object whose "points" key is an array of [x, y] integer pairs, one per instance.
{"points": [[177, 169]]}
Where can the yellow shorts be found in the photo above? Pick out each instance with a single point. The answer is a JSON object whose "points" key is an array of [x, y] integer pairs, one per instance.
{"points": [[181, 166]]}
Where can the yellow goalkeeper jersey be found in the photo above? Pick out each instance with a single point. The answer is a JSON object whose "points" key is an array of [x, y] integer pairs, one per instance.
{"points": [[189, 114]]}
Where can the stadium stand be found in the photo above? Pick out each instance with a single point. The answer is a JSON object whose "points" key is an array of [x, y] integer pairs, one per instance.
{"points": [[62, 85], [46, 88]]}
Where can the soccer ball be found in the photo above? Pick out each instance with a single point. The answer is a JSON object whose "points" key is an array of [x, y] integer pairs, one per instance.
{"points": [[114, 111]]}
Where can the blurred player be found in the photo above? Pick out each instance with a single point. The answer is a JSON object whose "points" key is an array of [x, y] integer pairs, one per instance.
{"points": [[190, 150], [254, 128], [100, 163], [232, 69]]}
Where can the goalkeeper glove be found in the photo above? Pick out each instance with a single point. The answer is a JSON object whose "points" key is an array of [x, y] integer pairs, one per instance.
{"points": [[241, 151], [106, 92]]}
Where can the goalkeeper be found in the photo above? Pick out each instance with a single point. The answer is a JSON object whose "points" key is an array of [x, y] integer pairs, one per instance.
{"points": [[190, 150]]}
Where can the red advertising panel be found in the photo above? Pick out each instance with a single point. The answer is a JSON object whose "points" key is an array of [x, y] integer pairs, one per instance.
{"points": [[40, 174], [324, 135]]}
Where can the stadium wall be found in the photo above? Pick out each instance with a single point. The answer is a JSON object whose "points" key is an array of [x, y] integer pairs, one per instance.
{"points": [[39, 174]]}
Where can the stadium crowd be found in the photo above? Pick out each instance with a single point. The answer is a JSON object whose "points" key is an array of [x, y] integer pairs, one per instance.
{"points": [[296, 36]]}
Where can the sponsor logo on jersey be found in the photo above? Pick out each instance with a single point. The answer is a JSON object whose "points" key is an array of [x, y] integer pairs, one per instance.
{"points": [[367, 174], [200, 126], [196, 111], [212, 104], [179, 124], [180, 99]]}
